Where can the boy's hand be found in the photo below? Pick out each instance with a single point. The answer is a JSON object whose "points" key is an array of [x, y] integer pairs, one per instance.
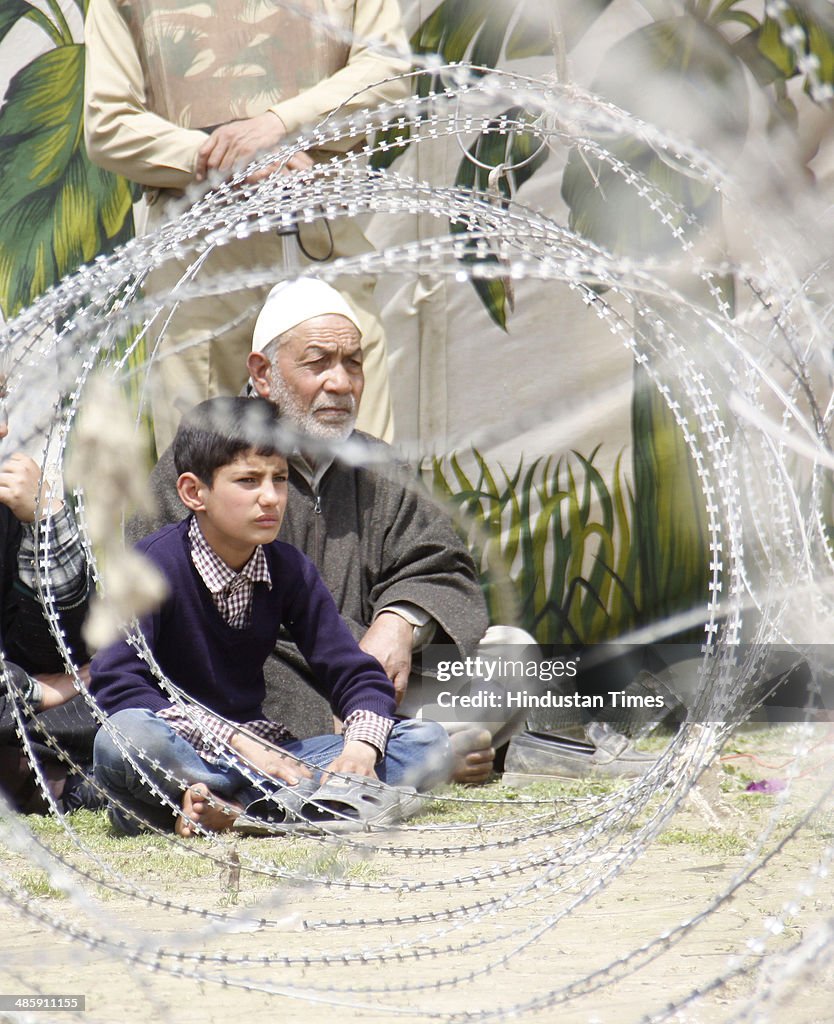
{"points": [[357, 757], [389, 639], [20, 478], [271, 763]]}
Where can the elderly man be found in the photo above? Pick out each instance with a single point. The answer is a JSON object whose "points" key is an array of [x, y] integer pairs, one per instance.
{"points": [[176, 91], [399, 573]]}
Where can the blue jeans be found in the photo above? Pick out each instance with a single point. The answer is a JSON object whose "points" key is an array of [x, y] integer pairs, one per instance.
{"points": [[418, 754]]}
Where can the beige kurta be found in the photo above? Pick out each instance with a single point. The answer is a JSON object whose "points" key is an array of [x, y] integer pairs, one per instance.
{"points": [[151, 133]]}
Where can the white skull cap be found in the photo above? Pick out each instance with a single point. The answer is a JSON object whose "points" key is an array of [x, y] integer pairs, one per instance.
{"points": [[290, 303]]}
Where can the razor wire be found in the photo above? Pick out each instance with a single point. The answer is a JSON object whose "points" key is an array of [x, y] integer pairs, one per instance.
{"points": [[102, 302]]}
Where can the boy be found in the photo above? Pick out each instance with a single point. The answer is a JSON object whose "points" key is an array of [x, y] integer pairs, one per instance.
{"points": [[232, 587]]}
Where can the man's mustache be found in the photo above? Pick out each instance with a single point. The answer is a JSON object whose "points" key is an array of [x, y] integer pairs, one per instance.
{"points": [[344, 403]]}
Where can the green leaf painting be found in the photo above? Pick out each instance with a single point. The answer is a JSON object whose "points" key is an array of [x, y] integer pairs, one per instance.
{"points": [[670, 528], [605, 206], [558, 532], [58, 210], [707, 49], [500, 143], [11, 12]]}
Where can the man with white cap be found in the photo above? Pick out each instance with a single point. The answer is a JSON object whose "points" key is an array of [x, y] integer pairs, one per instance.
{"points": [[400, 575], [325, 364]]}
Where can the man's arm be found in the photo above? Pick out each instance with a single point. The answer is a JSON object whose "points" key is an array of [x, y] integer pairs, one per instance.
{"points": [[26, 632], [345, 675], [358, 689], [360, 84], [203, 730], [272, 762], [390, 639], [120, 678], [58, 688], [378, 39], [425, 564], [122, 135]]}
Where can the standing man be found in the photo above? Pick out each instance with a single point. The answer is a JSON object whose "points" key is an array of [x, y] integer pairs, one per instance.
{"points": [[176, 91]]}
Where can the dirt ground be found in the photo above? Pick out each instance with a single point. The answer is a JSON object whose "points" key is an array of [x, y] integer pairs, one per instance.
{"points": [[582, 922]]}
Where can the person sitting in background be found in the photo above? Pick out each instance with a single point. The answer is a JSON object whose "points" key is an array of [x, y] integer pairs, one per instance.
{"points": [[175, 93], [34, 675]]}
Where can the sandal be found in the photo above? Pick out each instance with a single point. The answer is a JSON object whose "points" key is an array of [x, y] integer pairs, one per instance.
{"points": [[276, 812], [353, 803]]}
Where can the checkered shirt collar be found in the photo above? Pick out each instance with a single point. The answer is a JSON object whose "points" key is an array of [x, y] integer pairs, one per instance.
{"points": [[214, 572]]}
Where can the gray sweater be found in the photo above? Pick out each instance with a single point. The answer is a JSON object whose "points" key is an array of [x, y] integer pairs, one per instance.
{"points": [[375, 541]]}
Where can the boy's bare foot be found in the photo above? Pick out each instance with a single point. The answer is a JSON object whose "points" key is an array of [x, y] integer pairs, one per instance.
{"points": [[201, 807], [474, 756]]}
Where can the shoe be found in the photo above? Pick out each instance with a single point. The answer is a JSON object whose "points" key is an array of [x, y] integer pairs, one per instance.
{"points": [[80, 793], [276, 812], [352, 803], [537, 757], [644, 715]]}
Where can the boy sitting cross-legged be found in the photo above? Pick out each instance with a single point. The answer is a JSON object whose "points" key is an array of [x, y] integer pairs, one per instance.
{"points": [[232, 587]]}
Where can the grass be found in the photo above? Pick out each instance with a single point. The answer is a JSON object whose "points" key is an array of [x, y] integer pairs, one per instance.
{"points": [[740, 835], [37, 885], [157, 863], [465, 805], [558, 532], [723, 842]]}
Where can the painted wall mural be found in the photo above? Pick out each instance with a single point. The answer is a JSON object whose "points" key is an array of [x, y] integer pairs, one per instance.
{"points": [[594, 557], [593, 552], [57, 210]]}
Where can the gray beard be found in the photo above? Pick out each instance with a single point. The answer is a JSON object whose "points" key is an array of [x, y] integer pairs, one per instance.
{"points": [[305, 419]]}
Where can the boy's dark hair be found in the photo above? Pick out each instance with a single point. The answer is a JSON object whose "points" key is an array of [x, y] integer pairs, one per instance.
{"points": [[215, 432]]}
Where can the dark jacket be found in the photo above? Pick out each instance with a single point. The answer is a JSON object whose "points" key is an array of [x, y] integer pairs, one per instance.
{"points": [[222, 666], [28, 644]]}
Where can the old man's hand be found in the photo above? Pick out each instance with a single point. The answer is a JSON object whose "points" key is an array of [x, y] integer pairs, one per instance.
{"points": [[389, 640]]}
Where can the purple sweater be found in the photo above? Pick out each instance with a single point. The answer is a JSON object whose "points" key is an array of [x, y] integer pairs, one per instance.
{"points": [[222, 667]]}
